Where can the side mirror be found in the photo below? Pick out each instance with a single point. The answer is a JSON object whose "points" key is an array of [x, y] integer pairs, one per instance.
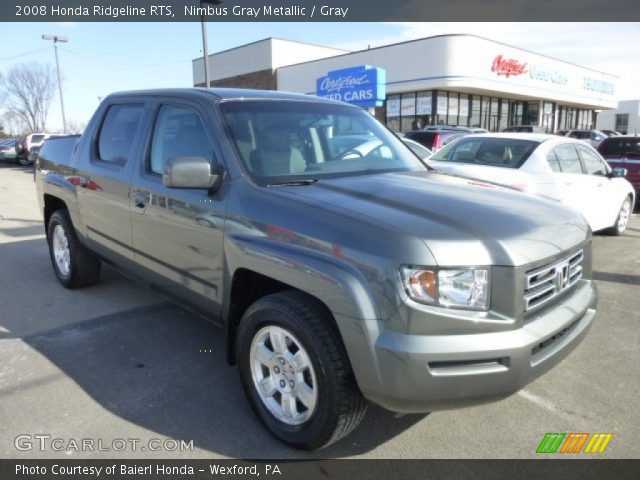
{"points": [[191, 172], [619, 172]]}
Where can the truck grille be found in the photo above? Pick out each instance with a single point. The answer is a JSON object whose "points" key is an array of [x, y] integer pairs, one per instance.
{"points": [[544, 284]]}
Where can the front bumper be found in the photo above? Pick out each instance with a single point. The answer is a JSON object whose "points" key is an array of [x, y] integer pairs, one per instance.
{"points": [[422, 373]]}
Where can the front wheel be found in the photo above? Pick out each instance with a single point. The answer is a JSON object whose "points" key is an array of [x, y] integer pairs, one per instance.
{"points": [[24, 161], [622, 220], [296, 373]]}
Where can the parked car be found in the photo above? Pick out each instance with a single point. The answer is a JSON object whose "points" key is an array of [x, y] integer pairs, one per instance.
{"points": [[610, 133], [560, 168], [420, 150], [8, 149], [459, 128], [434, 140], [524, 129], [623, 152], [352, 276], [592, 137], [562, 132]]}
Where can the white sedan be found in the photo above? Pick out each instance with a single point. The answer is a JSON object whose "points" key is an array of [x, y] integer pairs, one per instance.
{"points": [[560, 168]]}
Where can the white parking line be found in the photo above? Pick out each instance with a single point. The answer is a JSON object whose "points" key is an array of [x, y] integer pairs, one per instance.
{"points": [[550, 407]]}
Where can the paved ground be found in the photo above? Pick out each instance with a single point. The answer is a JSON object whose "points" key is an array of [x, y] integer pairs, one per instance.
{"points": [[116, 361]]}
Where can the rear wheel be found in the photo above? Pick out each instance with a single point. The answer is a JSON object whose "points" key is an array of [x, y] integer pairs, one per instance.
{"points": [[74, 265], [296, 373], [622, 220]]}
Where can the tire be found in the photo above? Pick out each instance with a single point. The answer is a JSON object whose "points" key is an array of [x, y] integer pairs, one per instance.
{"points": [[622, 220], [75, 266], [24, 161], [338, 407]]}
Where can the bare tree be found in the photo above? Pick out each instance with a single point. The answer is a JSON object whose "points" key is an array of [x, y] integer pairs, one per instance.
{"points": [[27, 91]]}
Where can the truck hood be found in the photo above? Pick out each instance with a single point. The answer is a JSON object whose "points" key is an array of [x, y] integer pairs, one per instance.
{"points": [[462, 221]]}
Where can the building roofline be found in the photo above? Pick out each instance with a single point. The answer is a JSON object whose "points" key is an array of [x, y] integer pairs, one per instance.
{"points": [[275, 38], [450, 35]]}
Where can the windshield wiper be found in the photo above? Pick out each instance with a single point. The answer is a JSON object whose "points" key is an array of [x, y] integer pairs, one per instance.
{"points": [[294, 183]]}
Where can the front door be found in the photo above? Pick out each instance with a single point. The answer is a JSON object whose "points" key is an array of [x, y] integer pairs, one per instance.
{"points": [[178, 233]]}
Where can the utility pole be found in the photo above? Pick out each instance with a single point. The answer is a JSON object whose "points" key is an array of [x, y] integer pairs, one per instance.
{"points": [[205, 47], [56, 39]]}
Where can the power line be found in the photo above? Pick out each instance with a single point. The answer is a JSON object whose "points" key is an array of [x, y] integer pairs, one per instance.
{"points": [[24, 54], [135, 57], [92, 57]]}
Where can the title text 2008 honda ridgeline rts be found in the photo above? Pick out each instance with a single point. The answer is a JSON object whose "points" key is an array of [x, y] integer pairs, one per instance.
{"points": [[342, 269]]}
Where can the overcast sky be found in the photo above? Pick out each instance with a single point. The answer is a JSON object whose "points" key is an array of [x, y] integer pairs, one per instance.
{"points": [[104, 57]]}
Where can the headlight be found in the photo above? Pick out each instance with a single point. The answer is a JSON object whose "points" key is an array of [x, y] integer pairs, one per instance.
{"points": [[458, 288]]}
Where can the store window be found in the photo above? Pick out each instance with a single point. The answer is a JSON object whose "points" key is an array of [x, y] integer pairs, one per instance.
{"points": [[393, 112], [504, 114], [622, 123], [408, 120], [454, 104], [532, 111], [424, 108], [463, 110], [495, 110], [441, 108], [517, 113], [548, 113], [474, 119]]}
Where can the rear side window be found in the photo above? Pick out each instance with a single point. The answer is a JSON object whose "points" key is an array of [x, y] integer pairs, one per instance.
{"points": [[179, 132], [553, 162], [424, 138], [118, 131], [621, 146], [592, 162], [59, 150], [568, 158]]}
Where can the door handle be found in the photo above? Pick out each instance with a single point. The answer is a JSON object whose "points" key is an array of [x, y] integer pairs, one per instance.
{"points": [[140, 200]]}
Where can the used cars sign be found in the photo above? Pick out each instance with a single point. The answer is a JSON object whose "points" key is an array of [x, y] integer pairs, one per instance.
{"points": [[364, 86]]}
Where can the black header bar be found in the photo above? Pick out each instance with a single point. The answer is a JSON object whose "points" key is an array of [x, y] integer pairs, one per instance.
{"points": [[319, 10]]}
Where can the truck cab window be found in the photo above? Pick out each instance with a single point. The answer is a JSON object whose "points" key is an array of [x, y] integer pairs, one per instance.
{"points": [[118, 131], [179, 132]]}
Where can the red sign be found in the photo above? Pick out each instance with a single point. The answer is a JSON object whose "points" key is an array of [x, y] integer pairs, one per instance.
{"points": [[508, 67]]}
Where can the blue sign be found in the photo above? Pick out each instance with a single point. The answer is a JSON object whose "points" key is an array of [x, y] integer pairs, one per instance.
{"points": [[364, 86]]}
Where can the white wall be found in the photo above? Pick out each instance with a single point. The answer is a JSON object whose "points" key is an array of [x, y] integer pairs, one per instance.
{"points": [[267, 54], [461, 62], [607, 118]]}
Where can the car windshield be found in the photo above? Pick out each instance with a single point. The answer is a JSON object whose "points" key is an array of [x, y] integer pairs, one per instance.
{"points": [[281, 142], [495, 152], [37, 138]]}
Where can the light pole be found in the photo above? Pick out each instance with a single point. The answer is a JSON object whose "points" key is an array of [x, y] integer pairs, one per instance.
{"points": [[56, 39], [205, 47]]}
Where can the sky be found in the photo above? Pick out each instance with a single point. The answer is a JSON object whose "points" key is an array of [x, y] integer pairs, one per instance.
{"points": [[101, 58]]}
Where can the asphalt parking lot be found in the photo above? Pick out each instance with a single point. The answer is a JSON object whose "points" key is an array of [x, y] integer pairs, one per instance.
{"points": [[117, 361]]}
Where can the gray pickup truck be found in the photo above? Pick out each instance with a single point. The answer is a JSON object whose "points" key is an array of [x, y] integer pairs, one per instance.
{"points": [[341, 268]]}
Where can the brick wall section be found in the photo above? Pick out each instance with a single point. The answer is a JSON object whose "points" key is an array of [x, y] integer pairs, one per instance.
{"points": [[262, 80]]}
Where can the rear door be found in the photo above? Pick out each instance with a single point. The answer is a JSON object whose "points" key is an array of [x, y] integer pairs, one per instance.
{"points": [[573, 189], [178, 233], [103, 182]]}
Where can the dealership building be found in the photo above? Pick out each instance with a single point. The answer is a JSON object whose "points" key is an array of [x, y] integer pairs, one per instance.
{"points": [[454, 79]]}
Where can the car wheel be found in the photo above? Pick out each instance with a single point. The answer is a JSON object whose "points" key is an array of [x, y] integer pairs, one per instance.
{"points": [[295, 371], [74, 265], [24, 161], [622, 220]]}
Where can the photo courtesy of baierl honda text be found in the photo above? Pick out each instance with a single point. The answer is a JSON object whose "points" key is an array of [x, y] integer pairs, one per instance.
{"points": [[319, 239]]}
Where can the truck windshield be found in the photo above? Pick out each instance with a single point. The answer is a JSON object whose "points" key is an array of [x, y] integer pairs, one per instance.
{"points": [[485, 150], [293, 141]]}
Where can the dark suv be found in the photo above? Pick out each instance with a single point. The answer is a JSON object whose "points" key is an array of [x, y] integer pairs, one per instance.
{"points": [[623, 151]]}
